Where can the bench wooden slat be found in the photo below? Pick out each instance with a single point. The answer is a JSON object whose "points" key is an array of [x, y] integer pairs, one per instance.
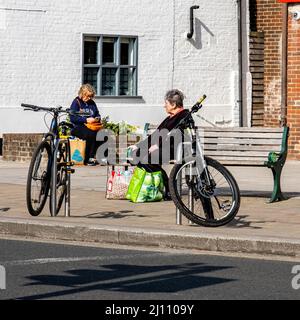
{"points": [[241, 163], [270, 142], [230, 147], [228, 159], [152, 128], [256, 129], [241, 135], [229, 153]]}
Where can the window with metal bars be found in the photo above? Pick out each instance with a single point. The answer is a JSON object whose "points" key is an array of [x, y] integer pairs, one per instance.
{"points": [[110, 64]]}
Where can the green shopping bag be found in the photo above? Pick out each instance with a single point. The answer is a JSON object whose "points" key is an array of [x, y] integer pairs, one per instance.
{"points": [[145, 186], [135, 185]]}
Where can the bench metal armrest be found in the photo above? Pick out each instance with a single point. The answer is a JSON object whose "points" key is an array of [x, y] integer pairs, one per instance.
{"points": [[275, 158]]}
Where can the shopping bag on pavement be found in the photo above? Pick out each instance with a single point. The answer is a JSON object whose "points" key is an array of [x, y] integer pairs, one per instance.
{"points": [[118, 179], [136, 184], [145, 186], [77, 147]]}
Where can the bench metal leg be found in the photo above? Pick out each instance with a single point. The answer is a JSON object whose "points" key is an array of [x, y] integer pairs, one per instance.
{"points": [[277, 193]]}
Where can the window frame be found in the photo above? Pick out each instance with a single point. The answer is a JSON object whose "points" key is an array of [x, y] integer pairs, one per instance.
{"points": [[117, 64]]}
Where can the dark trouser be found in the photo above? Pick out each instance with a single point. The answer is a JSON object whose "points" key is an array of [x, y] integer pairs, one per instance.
{"points": [[83, 133]]}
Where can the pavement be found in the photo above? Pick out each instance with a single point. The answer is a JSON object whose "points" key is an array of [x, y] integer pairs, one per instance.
{"points": [[259, 228]]}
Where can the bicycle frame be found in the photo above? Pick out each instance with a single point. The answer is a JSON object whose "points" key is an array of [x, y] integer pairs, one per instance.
{"points": [[192, 150], [193, 147], [54, 139]]}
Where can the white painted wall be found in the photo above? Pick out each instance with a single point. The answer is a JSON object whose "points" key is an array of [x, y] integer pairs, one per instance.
{"points": [[41, 56]]}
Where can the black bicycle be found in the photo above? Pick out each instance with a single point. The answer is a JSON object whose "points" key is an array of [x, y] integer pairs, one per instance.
{"points": [[51, 167], [202, 189]]}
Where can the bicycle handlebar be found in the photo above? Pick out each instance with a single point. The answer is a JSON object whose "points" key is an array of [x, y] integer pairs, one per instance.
{"points": [[198, 105], [30, 107], [202, 99]]}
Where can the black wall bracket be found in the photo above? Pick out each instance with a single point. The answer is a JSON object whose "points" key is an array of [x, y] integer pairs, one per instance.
{"points": [[191, 33]]}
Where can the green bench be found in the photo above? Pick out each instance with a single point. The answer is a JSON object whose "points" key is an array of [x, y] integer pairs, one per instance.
{"points": [[250, 147]]}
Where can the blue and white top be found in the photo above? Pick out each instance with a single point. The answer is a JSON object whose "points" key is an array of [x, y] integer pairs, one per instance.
{"points": [[89, 107]]}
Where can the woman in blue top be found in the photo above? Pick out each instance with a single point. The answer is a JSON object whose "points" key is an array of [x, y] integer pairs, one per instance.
{"points": [[84, 103]]}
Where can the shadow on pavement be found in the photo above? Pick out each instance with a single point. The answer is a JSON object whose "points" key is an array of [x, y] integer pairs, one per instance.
{"points": [[267, 195], [116, 278], [242, 222], [112, 214]]}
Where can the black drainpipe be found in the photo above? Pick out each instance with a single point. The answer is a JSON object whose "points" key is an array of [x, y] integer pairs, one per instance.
{"points": [[284, 65], [243, 117], [191, 33]]}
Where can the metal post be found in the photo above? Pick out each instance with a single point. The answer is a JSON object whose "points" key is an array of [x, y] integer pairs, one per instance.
{"points": [[178, 213], [191, 195], [68, 196], [54, 179]]}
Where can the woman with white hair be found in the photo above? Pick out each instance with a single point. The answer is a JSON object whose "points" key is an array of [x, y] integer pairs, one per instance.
{"points": [[156, 155]]}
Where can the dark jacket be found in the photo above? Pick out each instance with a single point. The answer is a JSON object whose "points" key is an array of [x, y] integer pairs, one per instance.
{"points": [[160, 136], [86, 107]]}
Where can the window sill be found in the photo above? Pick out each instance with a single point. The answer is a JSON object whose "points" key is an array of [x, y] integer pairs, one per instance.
{"points": [[120, 99]]}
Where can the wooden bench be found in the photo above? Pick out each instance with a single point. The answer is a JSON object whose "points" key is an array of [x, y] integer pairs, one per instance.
{"points": [[252, 147]]}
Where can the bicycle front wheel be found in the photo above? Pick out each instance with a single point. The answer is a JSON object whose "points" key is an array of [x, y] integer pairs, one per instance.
{"points": [[39, 177], [63, 157], [210, 198]]}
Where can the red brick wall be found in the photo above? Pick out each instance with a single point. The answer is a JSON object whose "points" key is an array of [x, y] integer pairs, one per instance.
{"points": [[269, 20], [20, 147], [294, 87]]}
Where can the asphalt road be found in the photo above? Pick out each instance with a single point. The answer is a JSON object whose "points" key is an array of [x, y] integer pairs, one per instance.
{"points": [[58, 271]]}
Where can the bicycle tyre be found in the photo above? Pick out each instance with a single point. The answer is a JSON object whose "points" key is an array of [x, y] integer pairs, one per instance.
{"points": [[45, 179], [207, 219], [61, 182]]}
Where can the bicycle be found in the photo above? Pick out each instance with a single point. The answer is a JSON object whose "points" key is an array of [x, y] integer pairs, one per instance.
{"points": [[203, 190], [51, 167]]}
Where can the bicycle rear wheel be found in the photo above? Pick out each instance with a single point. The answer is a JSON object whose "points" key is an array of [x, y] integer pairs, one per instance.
{"points": [[63, 157], [210, 199], [39, 177]]}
